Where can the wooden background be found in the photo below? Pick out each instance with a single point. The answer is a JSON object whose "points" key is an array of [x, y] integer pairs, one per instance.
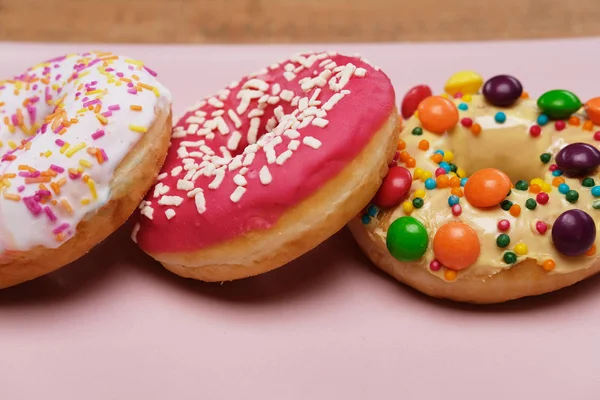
{"points": [[281, 21]]}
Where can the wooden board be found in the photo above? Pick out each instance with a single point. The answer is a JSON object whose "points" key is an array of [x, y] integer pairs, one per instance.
{"points": [[285, 21]]}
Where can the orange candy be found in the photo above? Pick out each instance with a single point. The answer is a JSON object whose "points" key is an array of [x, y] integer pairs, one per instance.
{"points": [[423, 145], [404, 155], [457, 191], [591, 251], [592, 109], [456, 245], [411, 162], [574, 121], [437, 114], [455, 182], [487, 187], [548, 265], [588, 126], [515, 210], [442, 181], [437, 158], [557, 181], [401, 144], [476, 129], [535, 188]]}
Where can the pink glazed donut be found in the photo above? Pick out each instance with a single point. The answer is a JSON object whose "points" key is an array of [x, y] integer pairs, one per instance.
{"points": [[270, 167]]}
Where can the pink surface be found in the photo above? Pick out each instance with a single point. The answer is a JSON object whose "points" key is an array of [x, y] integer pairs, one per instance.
{"points": [[116, 326]]}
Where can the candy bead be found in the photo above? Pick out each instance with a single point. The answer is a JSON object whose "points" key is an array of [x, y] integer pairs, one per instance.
{"points": [[588, 182], [394, 188], [372, 210], [424, 145], [456, 245], [563, 188], [418, 202], [412, 98], [542, 198], [572, 196], [578, 159], [456, 210], [545, 158], [435, 265], [530, 204], [573, 232], [510, 257], [437, 114], [521, 185], [573, 120], [558, 104], [503, 225], [420, 193], [407, 239], [548, 265], [541, 227], [515, 210], [487, 187], [592, 109], [466, 122], [506, 205], [542, 119], [463, 82], [503, 240], [520, 249], [417, 131], [560, 125], [430, 184], [502, 90], [500, 117], [408, 207], [452, 200], [535, 131], [450, 274], [597, 136], [365, 219], [463, 107], [596, 191]]}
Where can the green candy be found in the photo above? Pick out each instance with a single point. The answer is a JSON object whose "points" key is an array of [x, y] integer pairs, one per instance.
{"points": [[596, 205], [502, 240], [510, 257], [417, 131], [545, 158], [559, 104], [531, 204], [418, 202], [572, 196], [522, 185], [588, 182], [407, 239], [506, 205]]}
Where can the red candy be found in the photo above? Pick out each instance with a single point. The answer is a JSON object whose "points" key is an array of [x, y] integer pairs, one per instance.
{"points": [[542, 198], [466, 122], [503, 225], [456, 210], [560, 125], [412, 99], [394, 188], [541, 227], [535, 130]]}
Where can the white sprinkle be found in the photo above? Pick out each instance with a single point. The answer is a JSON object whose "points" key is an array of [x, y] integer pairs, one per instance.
{"points": [[253, 130], [271, 124], [170, 201], [283, 157], [293, 144], [289, 76], [263, 99], [331, 65], [200, 202], [234, 140], [305, 122], [333, 100], [271, 155], [222, 126], [234, 118], [289, 67], [215, 102], [169, 213], [195, 120], [276, 89], [278, 113], [178, 132], [265, 175], [187, 143], [200, 113], [273, 66], [312, 142], [175, 171], [236, 162], [360, 72], [197, 174], [314, 97], [303, 105], [255, 113], [240, 180], [344, 79], [295, 101], [182, 152], [160, 189], [248, 159], [273, 100], [292, 133], [161, 176], [320, 122], [219, 175], [184, 185], [233, 85], [256, 84], [147, 212], [217, 113], [324, 62], [237, 194], [287, 95], [192, 129], [192, 193]]}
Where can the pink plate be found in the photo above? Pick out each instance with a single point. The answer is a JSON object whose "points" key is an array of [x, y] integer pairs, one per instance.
{"points": [[115, 325]]}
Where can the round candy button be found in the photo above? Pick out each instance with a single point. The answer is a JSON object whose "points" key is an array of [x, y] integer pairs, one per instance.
{"points": [[407, 239], [394, 188], [437, 114], [465, 82], [592, 109], [559, 104], [574, 232], [578, 159], [487, 187], [502, 90], [412, 98], [456, 245]]}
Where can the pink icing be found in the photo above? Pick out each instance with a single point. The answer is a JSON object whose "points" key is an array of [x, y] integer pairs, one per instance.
{"points": [[350, 124]]}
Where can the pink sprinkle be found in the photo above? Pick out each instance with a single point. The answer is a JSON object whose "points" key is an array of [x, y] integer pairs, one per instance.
{"points": [[151, 72], [91, 103], [458, 95], [21, 188], [50, 214], [435, 265], [120, 74], [59, 142], [503, 225], [31, 110], [104, 156], [542, 198], [114, 107], [35, 87], [107, 114], [58, 128], [132, 91], [109, 69], [25, 174], [60, 228], [58, 77], [97, 60], [97, 134], [44, 128], [541, 227], [440, 171], [14, 119], [32, 205], [85, 99], [131, 67], [57, 168]]}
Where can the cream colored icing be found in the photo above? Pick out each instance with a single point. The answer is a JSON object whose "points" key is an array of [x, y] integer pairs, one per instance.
{"points": [[99, 105], [509, 147]]}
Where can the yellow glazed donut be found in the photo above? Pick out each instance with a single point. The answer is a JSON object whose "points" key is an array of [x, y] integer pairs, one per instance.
{"points": [[492, 197], [82, 138]]}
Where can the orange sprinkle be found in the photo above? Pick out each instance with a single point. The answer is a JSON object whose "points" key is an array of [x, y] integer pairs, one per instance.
{"points": [[60, 237], [99, 157], [125, 80], [476, 129], [535, 188], [8, 176], [134, 107], [26, 168], [524, 95], [411, 162], [401, 144], [515, 210], [134, 76], [9, 157], [455, 181], [90, 107], [55, 188], [437, 158], [65, 204], [442, 181], [575, 121], [62, 131], [588, 125], [548, 265], [42, 187], [557, 181], [19, 117], [457, 191], [450, 274], [146, 86], [86, 178], [424, 145], [591, 251], [62, 181], [98, 108], [37, 180], [404, 155], [91, 150], [11, 196]]}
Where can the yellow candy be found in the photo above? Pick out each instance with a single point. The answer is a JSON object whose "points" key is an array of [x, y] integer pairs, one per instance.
{"points": [[418, 173], [452, 173], [546, 187], [465, 82], [407, 207], [520, 249], [420, 193], [426, 175], [448, 156], [537, 181], [467, 98], [461, 173], [445, 95]]}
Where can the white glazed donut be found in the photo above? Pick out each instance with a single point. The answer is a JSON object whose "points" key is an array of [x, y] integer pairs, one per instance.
{"points": [[82, 138]]}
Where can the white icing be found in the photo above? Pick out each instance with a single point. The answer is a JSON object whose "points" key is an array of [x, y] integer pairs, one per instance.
{"points": [[20, 229], [489, 122]]}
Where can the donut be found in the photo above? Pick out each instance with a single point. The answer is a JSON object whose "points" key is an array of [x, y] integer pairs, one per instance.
{"points": [[501, 201], [82, 139], [269, 167]]}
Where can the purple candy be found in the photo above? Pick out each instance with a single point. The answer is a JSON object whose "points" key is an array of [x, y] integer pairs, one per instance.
{"points": [[578, 159], [573, 232], [502, 90]]}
